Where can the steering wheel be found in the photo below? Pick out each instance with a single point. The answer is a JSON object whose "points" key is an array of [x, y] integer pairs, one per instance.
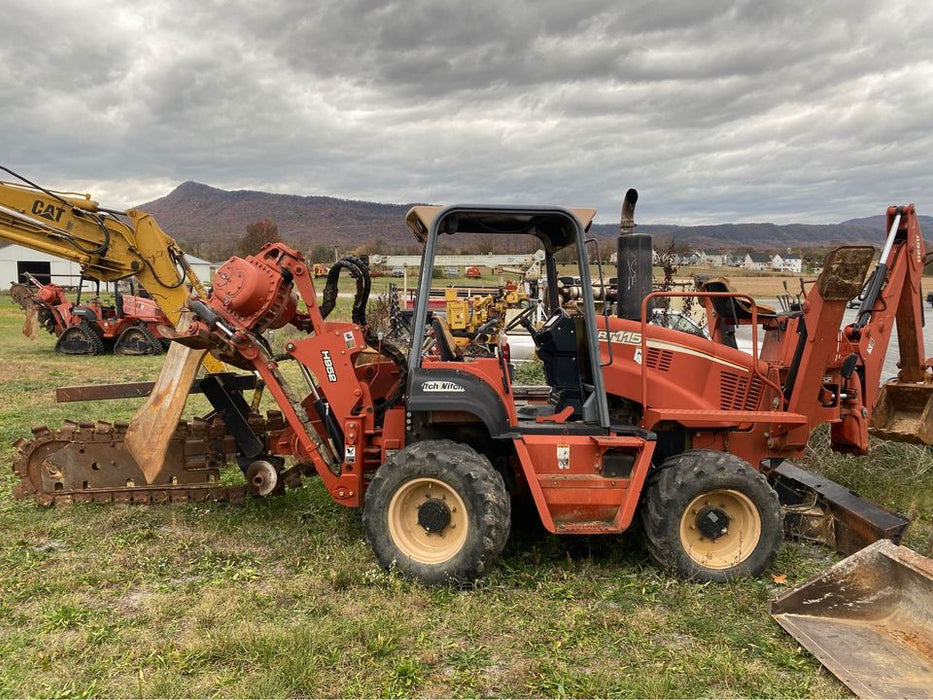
{"points": [[523, 318]]}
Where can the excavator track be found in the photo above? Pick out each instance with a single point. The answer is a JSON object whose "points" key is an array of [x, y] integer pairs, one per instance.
{"points": [[80, 340], [87, 462], [138, 340]]}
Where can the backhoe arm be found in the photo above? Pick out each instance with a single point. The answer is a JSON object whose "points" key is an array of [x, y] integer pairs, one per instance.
{"points": [[73, 227]]}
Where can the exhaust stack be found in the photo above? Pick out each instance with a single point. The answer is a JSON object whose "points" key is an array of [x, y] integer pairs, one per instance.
{"points": [[633, 262]]}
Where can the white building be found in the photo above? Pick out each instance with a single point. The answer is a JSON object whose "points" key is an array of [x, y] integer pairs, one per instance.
{"points": [[757, 261], [490, 260], [202, 268], [711, 259], [16, 259], [787, 262]]}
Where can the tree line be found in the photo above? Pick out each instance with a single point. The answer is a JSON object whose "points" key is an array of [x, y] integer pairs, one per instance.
{"points": [[266, 230]]}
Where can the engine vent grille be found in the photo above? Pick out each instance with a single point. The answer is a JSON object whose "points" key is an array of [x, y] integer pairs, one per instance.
{"points": [[659, 359], [738, 394], [754, 394]]}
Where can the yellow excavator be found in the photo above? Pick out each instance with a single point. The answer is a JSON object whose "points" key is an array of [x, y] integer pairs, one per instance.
{"points": [[112, 245]]}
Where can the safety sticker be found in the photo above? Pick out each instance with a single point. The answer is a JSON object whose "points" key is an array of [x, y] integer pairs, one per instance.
{"points": [[563, 456], [348, 339]]}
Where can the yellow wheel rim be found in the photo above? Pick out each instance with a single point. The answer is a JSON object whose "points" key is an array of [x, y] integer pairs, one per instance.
{"points": [[428, 500], [720, 529]]}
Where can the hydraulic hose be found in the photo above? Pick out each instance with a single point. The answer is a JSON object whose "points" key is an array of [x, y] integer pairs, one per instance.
{"points": [[360, 272]]}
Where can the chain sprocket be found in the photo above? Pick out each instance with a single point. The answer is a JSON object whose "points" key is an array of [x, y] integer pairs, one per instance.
{"points": [[21, 295], [86, 462]]}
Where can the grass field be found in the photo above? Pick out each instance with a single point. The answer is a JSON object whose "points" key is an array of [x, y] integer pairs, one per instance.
{"points": [[758, 285], [282, 597]]}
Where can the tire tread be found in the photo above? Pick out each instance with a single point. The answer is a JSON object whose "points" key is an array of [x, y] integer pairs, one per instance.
{"points": [[442, 456], [664, 500]]}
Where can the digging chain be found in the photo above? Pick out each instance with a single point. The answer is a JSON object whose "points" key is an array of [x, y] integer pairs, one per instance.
{"points": [[86, 462]]}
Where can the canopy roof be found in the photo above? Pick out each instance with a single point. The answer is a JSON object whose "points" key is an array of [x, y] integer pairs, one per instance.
{"points": [[550, 224]]}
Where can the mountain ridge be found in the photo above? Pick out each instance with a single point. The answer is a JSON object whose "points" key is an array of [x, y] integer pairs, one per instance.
{"points": [[208, 221]]}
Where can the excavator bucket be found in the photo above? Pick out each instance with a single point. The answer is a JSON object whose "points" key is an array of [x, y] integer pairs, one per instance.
{"points": [[869, 620], [149, 434], [904, 412]]}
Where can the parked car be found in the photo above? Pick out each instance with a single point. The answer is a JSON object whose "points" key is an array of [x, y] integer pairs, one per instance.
{"points": [[398, 271], [472, 272]]}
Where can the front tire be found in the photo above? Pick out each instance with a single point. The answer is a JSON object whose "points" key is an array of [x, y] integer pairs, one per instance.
{"points": [[438, 512], [709, 516]]}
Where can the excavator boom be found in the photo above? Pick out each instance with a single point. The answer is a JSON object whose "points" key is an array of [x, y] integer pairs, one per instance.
{"points": [[106, 245], [111, 246]]}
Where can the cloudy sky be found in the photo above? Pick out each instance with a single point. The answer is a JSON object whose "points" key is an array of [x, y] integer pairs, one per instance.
{"points": [[810, 111]]}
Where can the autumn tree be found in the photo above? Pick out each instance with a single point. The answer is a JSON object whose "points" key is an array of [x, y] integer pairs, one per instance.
{"points": [[321, 253], [257, 235]]}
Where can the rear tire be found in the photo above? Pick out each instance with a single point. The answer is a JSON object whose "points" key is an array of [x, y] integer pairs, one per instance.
{"points": [[438, 512], [709, 516]]}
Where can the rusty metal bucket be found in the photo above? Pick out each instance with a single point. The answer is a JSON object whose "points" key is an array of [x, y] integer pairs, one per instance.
{"points": [[869, 620], [904, 412]]}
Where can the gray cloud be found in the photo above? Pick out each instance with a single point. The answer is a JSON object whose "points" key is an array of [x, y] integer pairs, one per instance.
{"points": [[716, 111]]}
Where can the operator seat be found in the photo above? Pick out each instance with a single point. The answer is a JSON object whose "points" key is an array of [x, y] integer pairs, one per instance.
{"points": [[562, 347], [733, 311], [447, 347], [732, 307]]}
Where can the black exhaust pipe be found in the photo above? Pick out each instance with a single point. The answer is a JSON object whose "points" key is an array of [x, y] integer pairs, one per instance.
{"points": [[633, 262]]}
